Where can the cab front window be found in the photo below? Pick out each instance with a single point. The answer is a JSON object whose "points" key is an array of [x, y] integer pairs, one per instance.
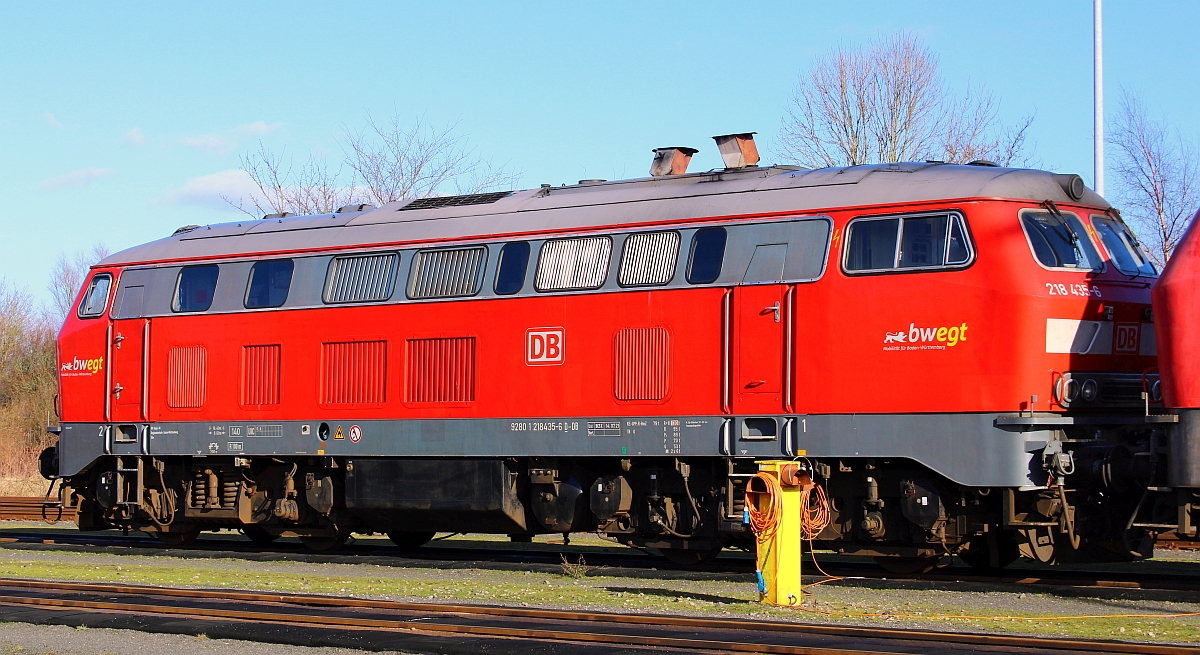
{"points": [[1123, 248]]}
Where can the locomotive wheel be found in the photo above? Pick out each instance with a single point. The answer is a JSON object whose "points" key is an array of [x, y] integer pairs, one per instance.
{"points": [[907, 565], [326, 544], [258, 535], [410, 540], [690, 557], [978, 553], [179, 538]]}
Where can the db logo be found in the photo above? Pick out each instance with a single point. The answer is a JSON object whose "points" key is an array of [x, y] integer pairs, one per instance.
{"points": [[1125, 340], [544, 346]]}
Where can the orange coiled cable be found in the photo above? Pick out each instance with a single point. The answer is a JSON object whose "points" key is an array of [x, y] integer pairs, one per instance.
{"points": [[764, 523], [814, 511]]}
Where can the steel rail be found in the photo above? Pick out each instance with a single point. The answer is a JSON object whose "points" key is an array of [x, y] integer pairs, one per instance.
{"points": [[714, 624], [1058, 578]]}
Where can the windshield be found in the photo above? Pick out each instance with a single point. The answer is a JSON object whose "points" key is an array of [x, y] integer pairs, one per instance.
{"points": [[1060, 240], [1123, 248]]}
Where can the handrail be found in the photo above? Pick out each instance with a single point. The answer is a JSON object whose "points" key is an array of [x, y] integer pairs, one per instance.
{"points": [[726, 350]]}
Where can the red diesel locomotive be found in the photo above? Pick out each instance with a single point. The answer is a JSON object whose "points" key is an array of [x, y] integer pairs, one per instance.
{"points": [[964, 357]]}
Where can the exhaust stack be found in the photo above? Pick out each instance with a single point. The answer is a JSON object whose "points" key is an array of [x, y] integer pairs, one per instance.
{"points": [[738, 150], [671, 161]]}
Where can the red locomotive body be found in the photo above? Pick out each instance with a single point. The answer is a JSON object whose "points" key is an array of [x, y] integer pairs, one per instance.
{"points": [[958, 353]]}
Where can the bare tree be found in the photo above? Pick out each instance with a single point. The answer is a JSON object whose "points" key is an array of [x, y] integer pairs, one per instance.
{"points": [[313, 188], [396, 162], [386, 162], [67, 278], [887, 103], [1158, 177]]}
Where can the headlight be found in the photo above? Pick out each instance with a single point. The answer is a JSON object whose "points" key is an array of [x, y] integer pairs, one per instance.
{"points": [[1156, 391], [1090, 390], [1070, 390]]}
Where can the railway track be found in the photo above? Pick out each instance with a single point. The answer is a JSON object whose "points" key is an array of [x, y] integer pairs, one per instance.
{"points": [[618, 562], [33, 508], [353, 622]]}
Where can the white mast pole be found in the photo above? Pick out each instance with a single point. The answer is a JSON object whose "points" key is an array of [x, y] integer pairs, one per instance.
{"points": [[1098, 72]]}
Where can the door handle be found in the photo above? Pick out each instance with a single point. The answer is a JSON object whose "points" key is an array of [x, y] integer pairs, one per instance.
{"points": [[773, 308], [117, 390], [118, 339]]}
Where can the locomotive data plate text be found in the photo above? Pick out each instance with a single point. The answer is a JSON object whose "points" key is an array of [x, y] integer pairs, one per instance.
{"points": [[544, 426], [604, 428], [264, 430]]}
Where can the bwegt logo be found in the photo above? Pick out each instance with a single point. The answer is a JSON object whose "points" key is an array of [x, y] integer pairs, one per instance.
{"points": [[925, 338], [83, 366]]}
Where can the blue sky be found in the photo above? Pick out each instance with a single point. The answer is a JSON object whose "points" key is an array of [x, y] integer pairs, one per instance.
{"points": [[120, 122]]}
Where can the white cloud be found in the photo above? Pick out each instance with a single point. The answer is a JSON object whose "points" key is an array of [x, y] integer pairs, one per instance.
{"points": [[225, 143], [134, 137], [211, 190], [77, 178], [53, 122], [213, 144], [257, 128]]}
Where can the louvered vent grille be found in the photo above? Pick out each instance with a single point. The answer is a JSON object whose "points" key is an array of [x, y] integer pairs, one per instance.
{"points": [[447, 273], [260, 375], [187, 373], [649, 258], [577, 263], [354, 373], [441, 370], [641, 364], [361, 278], [456, 201]]}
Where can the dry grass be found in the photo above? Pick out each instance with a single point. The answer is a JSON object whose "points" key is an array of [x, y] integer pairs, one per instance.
{"points": [[28, 382]]}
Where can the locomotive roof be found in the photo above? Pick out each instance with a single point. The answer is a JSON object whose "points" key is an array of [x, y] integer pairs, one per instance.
{"points": [[627, 203]]}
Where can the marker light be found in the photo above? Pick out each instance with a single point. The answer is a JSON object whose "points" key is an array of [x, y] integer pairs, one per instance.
{"points": [[1090, 390]]}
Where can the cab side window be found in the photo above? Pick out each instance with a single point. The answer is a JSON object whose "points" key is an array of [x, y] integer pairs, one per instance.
{"points": [[95, 301], [929, 241]]}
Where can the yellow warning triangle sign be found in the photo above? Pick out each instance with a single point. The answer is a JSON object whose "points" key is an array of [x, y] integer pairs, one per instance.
{"points": [[338, 434]]}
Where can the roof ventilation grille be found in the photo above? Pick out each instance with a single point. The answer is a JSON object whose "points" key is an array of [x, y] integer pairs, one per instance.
{"points": [[456, 201], [185, 229], [671, 161], [983, 162], [360, 207], [738, 150], [278, 215]]}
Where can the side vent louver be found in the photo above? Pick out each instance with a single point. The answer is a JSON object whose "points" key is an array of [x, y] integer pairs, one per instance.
{"points": [[354, 373], [455, 201], [260, 375], [577, 263], [440, 370], [187, 377], [641, 364], [649, 258], [361, 278], [447, 273]]}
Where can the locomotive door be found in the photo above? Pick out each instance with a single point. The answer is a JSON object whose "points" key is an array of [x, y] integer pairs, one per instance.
{"points": [[130, 339], [758, 386], [760, 318]]}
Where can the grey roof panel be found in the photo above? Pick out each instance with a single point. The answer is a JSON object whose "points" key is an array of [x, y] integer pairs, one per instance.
{"points": [[625, 202]]}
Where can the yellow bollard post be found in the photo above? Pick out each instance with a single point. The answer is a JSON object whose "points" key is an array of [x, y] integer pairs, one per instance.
{"points": [[776, 523]]}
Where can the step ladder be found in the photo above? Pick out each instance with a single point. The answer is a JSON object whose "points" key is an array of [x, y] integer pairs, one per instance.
{"points": [[123, 473]]}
